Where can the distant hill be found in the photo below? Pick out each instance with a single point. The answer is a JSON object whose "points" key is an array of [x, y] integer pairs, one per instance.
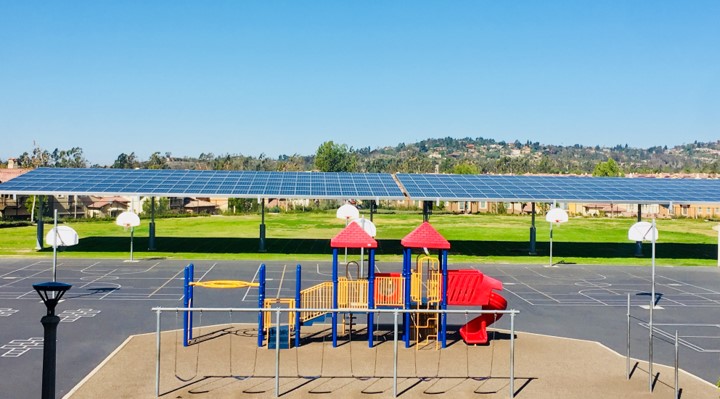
{"points": [[442, 155], [490, 156]]}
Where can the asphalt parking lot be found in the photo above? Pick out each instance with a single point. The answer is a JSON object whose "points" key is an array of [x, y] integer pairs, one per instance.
{"points": [[112, 299]]}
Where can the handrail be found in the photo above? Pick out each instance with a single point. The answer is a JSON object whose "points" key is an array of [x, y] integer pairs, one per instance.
{"points": [[339, 310], [389, 291], [353, 293], [317, 296]]}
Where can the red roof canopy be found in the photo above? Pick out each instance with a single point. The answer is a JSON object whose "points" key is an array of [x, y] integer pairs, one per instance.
{"points": [[353, 236], [425, 236]]}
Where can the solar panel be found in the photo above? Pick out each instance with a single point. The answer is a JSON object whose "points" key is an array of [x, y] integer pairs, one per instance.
{"points": [[189, 183], [431, 187]]}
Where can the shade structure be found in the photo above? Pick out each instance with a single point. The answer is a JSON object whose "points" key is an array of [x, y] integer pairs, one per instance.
{"points": [[425, 236], [353, 236]]}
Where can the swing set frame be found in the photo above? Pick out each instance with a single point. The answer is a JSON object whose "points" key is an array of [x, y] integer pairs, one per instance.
{"points": [[396, 334]]}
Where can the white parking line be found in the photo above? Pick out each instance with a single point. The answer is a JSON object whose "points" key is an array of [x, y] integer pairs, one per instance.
{"points": [[282, 278], [17, 270], [207, 271], [165, 283], [257, 271]]}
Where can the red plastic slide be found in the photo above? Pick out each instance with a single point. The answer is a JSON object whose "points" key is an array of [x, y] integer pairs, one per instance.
{"points": [[470, 287]]}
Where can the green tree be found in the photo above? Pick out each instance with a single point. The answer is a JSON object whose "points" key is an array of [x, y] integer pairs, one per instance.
{"points": [[465, 168], [156, 161], [608, 168], [331, 157], [34, 201], [72, 158], [38, 158], [242, 205], [162, 206], [125, 161]]}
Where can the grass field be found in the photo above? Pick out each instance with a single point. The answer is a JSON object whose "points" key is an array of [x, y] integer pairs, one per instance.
{"points": [[306, 236]]}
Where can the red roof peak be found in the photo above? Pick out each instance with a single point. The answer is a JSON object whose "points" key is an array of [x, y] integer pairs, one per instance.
{"points": [[353, 236], [425, 236]]}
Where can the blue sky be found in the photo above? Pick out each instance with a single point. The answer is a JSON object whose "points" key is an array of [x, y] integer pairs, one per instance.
{"points": [[281, 77]]}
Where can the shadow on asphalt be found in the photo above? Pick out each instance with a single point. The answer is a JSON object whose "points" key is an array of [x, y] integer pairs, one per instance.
{"points": [[291, 246]]}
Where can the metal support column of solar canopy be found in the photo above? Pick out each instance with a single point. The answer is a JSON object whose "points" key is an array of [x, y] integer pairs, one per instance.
{"points": [[533, 232], [262, 226], [40, 223], [427, 210], [151, 234], [638, 244]]}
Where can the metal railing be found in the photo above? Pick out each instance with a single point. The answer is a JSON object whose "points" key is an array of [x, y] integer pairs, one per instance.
{"points": [[651, 332], [317, 296], [352, 293], [395, 312], [389, 290]]}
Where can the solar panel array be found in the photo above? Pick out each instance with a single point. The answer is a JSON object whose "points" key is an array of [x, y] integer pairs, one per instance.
{"points": [[204, 183], [428, 187], [431, 187]]}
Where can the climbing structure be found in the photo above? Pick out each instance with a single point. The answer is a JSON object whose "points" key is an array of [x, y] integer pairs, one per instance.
{"points": [[425, 284], [430, 285], [351, 292]]}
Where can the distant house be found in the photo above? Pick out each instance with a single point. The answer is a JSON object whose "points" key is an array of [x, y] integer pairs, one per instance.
{"points": [[12, 206], [612, 210], [107, 206], [466, 206], [198, 205], [694, 211], [598, 209]]}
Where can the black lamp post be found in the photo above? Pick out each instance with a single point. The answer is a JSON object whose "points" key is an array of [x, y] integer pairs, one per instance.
{"points": [[50, 293]]}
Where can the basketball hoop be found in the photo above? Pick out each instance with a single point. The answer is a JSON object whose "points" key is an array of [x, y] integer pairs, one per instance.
{"points": [[127, 220], [557, 216]]}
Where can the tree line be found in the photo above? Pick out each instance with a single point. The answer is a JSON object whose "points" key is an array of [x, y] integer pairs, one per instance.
{"points": [[443, 155]]}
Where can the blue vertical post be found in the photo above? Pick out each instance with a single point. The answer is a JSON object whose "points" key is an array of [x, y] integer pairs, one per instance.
{"points": [[261, 304], [191, 291], [335, 296], [443, 301], [298, 273], [407, 269], [371, 296], [188, 303]]}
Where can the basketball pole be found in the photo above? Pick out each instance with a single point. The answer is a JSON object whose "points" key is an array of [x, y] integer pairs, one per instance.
{"points": [[132, 236], [718, 230], [55, 245], [551, 242]]}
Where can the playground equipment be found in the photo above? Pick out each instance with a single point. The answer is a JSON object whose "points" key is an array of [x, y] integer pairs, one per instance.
{"points": [[349, 292], [189, 295], [443, 288], [426, 285]]}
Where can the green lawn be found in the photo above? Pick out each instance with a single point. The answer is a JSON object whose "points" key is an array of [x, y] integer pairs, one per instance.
{"points": [[306, 236]]}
